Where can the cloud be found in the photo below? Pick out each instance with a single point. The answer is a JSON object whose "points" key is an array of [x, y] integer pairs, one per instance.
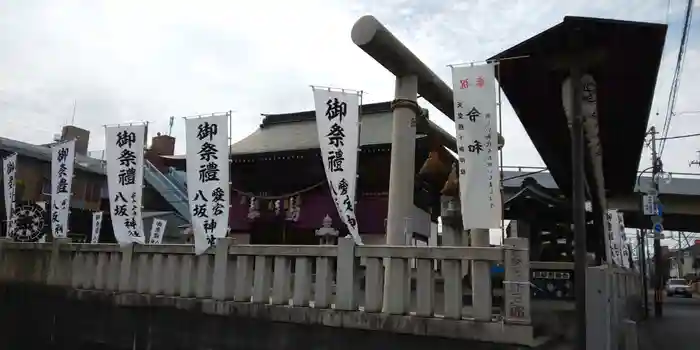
{"points": [[152, 59]]}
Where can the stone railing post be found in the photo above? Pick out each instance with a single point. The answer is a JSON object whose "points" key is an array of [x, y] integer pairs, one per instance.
{"points": [[516, 283], [630, 335], [5, 268], [482, 296], [599, 298], [452, 270], [345, 275], [221, 268], [126, 278], [59, 266]]}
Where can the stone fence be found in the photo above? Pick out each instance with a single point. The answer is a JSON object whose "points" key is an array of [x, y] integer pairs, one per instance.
{"points": [[323, 285]]}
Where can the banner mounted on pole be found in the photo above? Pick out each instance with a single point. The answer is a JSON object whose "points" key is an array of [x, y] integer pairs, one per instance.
{"points": [[475, 106], [124, 156], [157, 231], [208, 178], [9, 172], [622, 238], [96, 227], [62, 164], [338, 124], [613, 235]]}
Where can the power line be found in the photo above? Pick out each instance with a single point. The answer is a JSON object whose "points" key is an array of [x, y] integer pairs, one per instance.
{"points": [[525, 174], [686, 112], [673, 93], [678, 137]]}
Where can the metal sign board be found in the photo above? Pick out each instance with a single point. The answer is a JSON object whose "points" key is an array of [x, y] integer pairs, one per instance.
{"points": [[649, 204], [658, 228]]}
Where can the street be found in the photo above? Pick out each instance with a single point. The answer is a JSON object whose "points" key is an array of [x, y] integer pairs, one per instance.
{"points": [[679, 329]]}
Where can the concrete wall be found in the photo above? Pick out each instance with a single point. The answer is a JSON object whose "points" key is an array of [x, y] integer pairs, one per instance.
{"points": [[325, 288], [34, 317]]}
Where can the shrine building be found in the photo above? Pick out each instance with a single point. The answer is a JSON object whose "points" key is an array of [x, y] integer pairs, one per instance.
{"points": [[280, 194]]}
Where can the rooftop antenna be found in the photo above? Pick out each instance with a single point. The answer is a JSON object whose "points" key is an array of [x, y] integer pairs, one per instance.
{"points": [[72, 119], [170, 129]]}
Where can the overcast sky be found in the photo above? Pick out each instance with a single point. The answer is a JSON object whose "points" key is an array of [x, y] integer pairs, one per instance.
{"points": [[148, 60]]}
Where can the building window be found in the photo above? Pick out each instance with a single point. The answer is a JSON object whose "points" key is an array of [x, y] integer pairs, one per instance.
{"points": [[78, 188], [88, 192], [45, 187], [94, 191], [19, 191]]}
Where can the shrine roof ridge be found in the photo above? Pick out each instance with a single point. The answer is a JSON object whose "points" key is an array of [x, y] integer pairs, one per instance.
{"points": [[365, 109]]}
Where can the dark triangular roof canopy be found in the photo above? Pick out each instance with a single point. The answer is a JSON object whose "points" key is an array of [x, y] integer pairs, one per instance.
{"points": [[536, 202], [533, 199], [624, 60]]}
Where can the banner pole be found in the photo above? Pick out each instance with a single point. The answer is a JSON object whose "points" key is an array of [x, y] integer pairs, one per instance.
{"points": [[230, 172], [500, 156]]}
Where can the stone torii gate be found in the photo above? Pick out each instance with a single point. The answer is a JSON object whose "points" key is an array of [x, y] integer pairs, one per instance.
{"points": [[413, 77]]}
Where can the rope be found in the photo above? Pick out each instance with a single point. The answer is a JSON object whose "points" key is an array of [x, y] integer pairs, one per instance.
{"points": [[251, 194], [525, 175], [405, 103]]}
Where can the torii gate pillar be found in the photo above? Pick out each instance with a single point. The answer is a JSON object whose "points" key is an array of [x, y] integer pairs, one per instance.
{"points": [[373, 37]]}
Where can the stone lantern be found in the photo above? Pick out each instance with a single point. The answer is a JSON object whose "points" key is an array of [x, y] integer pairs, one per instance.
{"points": [[327, 233]]}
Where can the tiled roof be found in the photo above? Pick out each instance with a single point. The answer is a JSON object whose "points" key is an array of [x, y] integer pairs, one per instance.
{"points": [[297, 131], [43, 153]]}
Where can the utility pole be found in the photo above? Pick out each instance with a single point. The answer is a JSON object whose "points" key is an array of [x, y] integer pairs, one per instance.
{"points": [[642, 241], [658, 279], [679, 255], [170, 126]]}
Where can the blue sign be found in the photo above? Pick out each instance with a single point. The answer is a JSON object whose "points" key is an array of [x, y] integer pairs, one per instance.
{"points": [[658, 228], [659, 209]]}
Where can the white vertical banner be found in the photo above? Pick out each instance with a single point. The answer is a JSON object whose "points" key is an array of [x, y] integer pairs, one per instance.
{"points": [[625, 253], [208, 178], [157, 231], [607, 231], [613, 236], [9, 173], [338, 124], [62, 161], [96, 227], [124, 156], [475, 110]]}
